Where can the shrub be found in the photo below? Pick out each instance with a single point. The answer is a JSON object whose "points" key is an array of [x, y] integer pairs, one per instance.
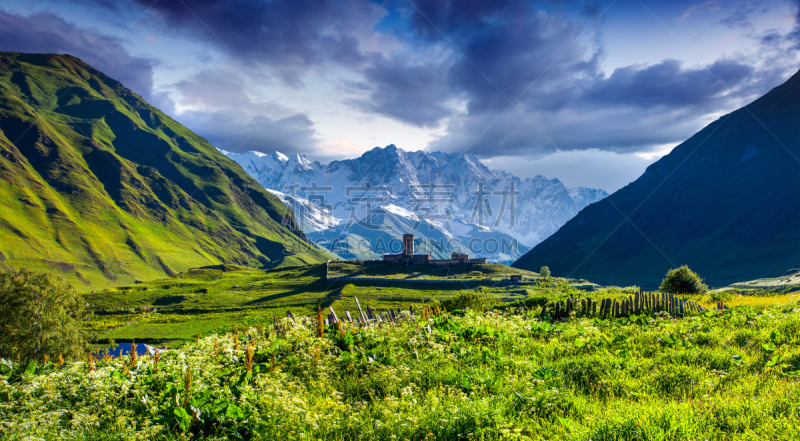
{"points": [[723, 296], [40, 315], [544, 272], [682, 281], [473, 299]]}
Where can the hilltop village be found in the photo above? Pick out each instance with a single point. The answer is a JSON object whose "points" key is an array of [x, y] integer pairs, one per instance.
{"points": [[409, 257]]}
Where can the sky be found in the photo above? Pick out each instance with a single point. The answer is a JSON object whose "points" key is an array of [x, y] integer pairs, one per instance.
{"points": [[589, 92]]}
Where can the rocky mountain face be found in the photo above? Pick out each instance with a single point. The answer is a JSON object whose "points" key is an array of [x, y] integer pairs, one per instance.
{"points": [[452, 199], [725, 202], [98, 185]]}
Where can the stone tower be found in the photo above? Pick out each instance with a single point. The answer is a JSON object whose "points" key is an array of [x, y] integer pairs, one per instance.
{"points": [[408, 244]]}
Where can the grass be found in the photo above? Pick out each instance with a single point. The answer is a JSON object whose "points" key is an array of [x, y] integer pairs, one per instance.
{"points": [[103, 188], [790, 280], [215, 298], [475, 375], [201, 300], [378, 269]]}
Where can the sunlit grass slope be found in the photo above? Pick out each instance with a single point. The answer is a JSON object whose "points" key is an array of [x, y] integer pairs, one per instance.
{"points": [[104, 188]]}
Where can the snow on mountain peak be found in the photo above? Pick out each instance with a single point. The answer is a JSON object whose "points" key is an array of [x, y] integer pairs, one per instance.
{"points": [[542, 205]]}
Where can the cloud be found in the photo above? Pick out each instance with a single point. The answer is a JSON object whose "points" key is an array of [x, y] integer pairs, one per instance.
{"points": [[531, 83], [44, 32], [633, 108], [667, 84], [288, 36], [416, 94], [496, 77], [222, 109], [579, 168], [534, 135], [739, 18], [504, 49], [794, 35], [482, 54], [710, 5]]}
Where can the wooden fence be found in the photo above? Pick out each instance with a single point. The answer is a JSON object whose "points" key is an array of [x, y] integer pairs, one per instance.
{"points": [[367, 315], [639, 304]]}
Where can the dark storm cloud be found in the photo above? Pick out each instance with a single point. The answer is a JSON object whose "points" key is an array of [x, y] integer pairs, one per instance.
{"points": [[533, 85], [537, 134], [504, 47], [500, 65], [528, 75], [415, 94], [288, 35], [497, 50], [231, 120], [431, 18], [45, 32], [667, 84], [633, 108]]}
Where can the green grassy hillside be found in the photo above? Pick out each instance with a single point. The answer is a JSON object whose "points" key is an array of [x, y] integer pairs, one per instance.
{"points": [[104, 188]]}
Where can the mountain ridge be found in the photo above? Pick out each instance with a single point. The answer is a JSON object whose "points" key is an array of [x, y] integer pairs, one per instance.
{"points": [[720, 202], [540, 207], [106, 189]]}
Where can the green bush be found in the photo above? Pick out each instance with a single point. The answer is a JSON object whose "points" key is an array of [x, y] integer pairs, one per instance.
{"points": [[473, 299], [723, 296], [682, 281], [544, 272], [40, 315]]}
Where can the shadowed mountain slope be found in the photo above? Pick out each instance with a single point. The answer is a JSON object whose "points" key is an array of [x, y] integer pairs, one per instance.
{"points": [[726, 202]]}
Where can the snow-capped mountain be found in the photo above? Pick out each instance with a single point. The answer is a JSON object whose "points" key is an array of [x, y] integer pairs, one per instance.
{"points": [[452, 197]]}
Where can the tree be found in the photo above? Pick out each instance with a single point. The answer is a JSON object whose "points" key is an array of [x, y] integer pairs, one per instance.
{"points": [[682, 281], [544, 272], [40, 314]]}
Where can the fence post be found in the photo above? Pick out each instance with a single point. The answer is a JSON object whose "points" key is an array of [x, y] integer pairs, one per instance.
{"points": [[360, 312], [333, 313]]}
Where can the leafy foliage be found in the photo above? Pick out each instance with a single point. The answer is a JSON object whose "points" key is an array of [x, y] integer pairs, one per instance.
{"points": [[682, 281], [476, 299], [40, 315], [476, 376], [544, 272]]}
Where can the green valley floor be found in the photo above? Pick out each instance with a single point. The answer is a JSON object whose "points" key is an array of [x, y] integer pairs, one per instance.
{"points": [[476, 373]]}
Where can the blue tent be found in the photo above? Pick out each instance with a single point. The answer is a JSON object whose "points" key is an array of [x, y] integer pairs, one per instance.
{"points": [[125, 349]]}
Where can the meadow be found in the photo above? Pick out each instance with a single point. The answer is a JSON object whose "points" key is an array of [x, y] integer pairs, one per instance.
{"points": [[498, 373], [213, 299]]}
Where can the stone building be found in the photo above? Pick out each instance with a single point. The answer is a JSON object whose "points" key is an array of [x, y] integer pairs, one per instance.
{"points": [[409, 257]]}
